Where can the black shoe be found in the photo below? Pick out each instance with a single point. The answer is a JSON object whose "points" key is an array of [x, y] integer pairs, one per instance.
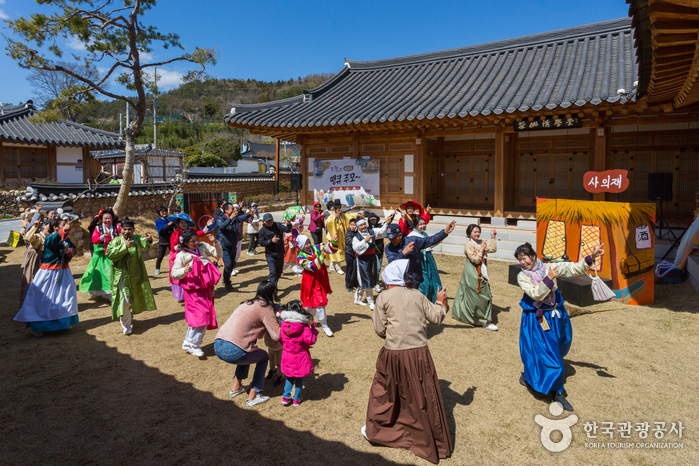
{"points": [[522, 380], [279, 381], [562, 400], [349, 290], [229, 287], [271, 373]]}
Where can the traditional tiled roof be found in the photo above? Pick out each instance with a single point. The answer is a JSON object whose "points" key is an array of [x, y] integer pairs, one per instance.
{"points": [[594, 63], [223, 178], [16, 127], [148, 150], [50, 192], [267, 151]]}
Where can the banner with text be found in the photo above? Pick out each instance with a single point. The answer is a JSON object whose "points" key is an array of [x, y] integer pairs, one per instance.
{"points": [[353, 182]]}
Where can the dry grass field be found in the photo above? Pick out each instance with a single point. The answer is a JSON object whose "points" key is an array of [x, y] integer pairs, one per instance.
{"points": [[91, 395]]}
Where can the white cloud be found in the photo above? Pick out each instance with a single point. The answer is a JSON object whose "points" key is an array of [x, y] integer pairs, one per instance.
{"points": [[75, 43], [167, 79], [3, 15]]}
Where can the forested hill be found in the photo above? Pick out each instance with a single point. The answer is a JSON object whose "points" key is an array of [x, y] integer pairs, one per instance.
{"points": [[211, 98]]}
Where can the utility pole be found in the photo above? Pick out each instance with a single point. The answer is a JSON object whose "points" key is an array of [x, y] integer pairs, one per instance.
{"points": [[155, 115]]}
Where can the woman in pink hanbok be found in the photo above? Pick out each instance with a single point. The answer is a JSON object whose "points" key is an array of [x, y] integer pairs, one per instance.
{"points": [[197, 275]]}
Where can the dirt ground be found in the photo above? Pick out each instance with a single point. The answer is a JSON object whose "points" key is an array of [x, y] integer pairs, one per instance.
{"points": [[91, 395]]}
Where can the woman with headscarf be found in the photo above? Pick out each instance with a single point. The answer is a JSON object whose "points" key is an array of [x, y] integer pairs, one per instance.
{"points": [[96, 280], [545, 334], [473, 303], [367, 263], [31, 261], [406, 409], [430, 273], [182, 223]]}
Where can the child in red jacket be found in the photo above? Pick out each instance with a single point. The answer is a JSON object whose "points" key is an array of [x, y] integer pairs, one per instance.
{"points": [[297, 336]]}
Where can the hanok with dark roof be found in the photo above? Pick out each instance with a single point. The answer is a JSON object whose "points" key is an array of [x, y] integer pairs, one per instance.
{"points": [[484, 130], [57, 151]]}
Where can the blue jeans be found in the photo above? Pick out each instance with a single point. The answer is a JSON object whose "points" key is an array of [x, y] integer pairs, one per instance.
{"points": [[227, 351], [290, 382]]}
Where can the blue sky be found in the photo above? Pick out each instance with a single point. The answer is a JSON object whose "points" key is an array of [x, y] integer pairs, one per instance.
{"points": [[272, 40]]}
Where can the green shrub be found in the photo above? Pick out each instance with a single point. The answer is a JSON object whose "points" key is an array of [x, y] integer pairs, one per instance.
{"points": [[205, 160], [223, 147]]}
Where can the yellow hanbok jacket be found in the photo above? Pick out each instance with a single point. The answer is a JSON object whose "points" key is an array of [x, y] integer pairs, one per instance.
{"points": [[340, 225]]}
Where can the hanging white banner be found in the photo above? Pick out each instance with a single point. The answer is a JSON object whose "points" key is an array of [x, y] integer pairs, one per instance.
{"points": [[353, 182]]}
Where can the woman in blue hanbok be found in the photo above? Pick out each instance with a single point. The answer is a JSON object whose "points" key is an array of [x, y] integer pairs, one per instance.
{"points": [[545, 334], [431, 283], [52, 302]]}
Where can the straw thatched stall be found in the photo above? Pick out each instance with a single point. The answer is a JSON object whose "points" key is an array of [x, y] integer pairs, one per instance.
{"points": [[572, 228]]}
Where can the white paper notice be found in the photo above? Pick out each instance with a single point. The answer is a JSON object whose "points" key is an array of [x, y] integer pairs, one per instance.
{"points": [[408, 185], [409, 163]]}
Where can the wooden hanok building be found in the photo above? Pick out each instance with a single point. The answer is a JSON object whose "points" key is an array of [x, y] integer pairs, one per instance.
{"points": [[492, 127]]}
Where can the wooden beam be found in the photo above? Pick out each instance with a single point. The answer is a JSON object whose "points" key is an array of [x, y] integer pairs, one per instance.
{"points": [[600, 155], [499, 204]]}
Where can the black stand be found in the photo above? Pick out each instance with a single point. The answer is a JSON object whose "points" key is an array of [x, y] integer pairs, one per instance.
{"points": [[660, 222]]}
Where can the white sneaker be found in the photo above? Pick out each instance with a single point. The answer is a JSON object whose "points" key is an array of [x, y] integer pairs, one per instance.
{"points": [[492, 327], [357, 300], [157, 271], [185, 346], [250, 253], [127, 330], [326, 329], [371, 302], [377, 288], [234, 272], [298, 275], [338, 269], [257, 400], [364, 433], [196, 351]]}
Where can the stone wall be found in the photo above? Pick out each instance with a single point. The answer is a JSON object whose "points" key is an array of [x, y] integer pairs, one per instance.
{"points": [[136, 206], [8, 203], [242, 188]]}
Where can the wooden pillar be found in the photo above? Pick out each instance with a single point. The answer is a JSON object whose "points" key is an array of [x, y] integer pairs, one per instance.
{"points": [[276, 167], [355, 145], [419, 170], [2, 163], [600, 155], [499, 206]]}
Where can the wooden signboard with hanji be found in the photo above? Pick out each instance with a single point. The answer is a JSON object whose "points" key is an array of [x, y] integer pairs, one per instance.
{"points": [[610, 181], [538, 124]]}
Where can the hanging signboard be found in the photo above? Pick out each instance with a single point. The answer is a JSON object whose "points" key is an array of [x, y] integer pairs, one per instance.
{"points": [[548, 123], [233, 198], [179, 200], [610, 181], [352, 181]]}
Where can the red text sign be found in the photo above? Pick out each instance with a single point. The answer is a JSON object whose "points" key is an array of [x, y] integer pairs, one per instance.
{"points": [[610, 181]]}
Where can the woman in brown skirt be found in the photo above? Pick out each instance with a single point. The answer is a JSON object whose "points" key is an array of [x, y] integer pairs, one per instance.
{"points": [[405, 403]]}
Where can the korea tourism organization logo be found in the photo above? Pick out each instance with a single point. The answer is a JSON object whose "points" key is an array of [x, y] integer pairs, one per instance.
{"points": [[657, 435]]}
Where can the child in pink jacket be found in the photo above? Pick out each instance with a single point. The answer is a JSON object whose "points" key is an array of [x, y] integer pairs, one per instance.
{"points": [[298, 334]]}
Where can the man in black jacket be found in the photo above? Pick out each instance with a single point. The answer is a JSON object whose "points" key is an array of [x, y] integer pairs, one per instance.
{"points": [[218, 212], [228, 237], [272, 238]]}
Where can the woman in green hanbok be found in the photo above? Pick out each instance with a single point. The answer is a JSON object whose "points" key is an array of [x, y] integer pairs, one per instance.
{"points": [[473, 303], [431, 283], [131, 291], [96, 279]]}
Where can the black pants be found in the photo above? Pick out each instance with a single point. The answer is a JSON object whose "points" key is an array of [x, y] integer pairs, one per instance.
{"points": [[276, 267], [317, 235], [162, 250], [351, 272], [229, 262], [253, 241]]}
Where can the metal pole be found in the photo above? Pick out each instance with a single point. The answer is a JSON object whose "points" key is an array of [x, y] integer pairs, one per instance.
{"points": [[155, 115], [121, 129], [128, 115]]}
